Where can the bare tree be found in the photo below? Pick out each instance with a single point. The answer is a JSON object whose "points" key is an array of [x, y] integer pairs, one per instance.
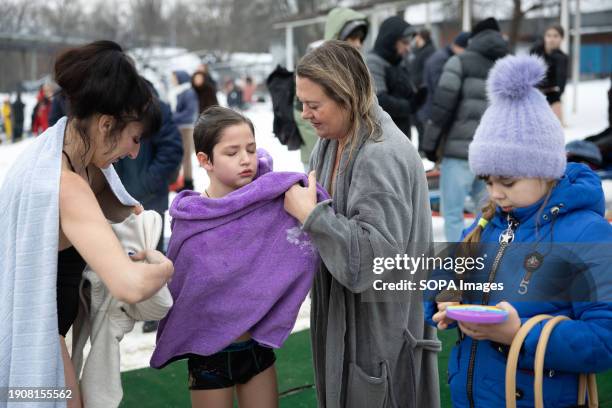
{"points": [[17, 16], [107, 21], [519, 10], [9, 11], [63, 18], [149, 20]]}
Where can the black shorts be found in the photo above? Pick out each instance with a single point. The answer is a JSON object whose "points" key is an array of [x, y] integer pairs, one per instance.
{"points": [[236, 364]]}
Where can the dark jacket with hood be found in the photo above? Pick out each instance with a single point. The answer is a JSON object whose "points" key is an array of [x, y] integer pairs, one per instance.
{"points": [[460, 98], [392, 80]]}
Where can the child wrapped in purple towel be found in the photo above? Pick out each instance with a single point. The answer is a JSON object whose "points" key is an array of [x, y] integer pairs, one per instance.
{"points": [[242, 268]]}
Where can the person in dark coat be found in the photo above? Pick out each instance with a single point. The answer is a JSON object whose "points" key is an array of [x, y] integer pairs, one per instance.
{"points": [[423, 49], [17, 109], [281, 85], [185, 105], [148, 176], [392, 82], [234, 94], [59, 107], [433, 70], [205, 90], [458, 104], [553, 84]]}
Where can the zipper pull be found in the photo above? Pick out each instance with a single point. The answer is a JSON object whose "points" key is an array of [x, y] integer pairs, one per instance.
{"points": [[507, 236]]}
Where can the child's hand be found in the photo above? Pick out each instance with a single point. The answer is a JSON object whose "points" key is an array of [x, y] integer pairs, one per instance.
{"points": [[440, 316], [300, 201], [502, 333]]}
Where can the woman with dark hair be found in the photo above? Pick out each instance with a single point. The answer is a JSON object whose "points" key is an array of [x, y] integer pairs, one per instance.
{"points": [[205, 90], [553, 84], [366, 352], [55, 204]]}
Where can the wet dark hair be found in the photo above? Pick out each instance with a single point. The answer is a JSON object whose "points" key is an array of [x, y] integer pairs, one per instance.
{"points": [[425, 34], [557, 28], [99, 78], [210, 125], [197, 74], [358, 33]]}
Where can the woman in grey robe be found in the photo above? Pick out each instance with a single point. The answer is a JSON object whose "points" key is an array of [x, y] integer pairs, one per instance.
{"points": [[374, 354]]}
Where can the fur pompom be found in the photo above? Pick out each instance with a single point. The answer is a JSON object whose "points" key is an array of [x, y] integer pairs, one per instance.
{"points": [[512, 77]]}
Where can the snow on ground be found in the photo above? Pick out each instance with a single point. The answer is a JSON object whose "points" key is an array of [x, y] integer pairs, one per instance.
{"points": [[136, 347], [592, 114]]}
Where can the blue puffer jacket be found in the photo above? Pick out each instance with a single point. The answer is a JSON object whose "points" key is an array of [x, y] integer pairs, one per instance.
{"points": [[573, 214]]}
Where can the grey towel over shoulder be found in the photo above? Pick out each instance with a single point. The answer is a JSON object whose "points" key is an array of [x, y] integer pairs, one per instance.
{"points": [[374, 355]]}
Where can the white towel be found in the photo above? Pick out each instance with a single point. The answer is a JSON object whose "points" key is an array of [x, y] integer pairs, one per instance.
{"points": [[29, 220]]}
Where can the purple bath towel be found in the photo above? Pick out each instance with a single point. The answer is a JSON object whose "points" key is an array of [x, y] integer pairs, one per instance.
{"points": [[241, 264]]}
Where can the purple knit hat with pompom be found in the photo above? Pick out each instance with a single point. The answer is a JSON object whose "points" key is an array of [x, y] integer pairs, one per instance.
{"points": [[518, 135]]}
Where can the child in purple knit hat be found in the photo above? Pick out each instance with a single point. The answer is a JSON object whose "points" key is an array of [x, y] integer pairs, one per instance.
{"points": [[536, 202]]}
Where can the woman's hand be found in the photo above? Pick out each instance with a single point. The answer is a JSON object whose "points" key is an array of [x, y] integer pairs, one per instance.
{"points": [[502, 333], [300, 201], [138, 209], [440, 316], [151, 256]]}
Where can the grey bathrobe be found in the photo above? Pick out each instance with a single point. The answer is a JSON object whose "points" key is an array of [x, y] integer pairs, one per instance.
{"points": [[374, 355]]}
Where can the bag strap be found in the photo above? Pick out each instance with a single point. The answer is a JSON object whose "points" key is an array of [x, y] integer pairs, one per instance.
{"points": [[593, 395], [538, 365], [585, 381], [588, 381], [513, 356]]}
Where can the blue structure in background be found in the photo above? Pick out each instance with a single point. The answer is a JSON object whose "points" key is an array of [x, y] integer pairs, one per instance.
{"points": [[596, 59]]}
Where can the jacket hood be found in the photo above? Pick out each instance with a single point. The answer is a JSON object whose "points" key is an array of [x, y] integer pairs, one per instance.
{"points": [[338, 18], [391, 30], [489, 43], [182, 76], [578, 189]]}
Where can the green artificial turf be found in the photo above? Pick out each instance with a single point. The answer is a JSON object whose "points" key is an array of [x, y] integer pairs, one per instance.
{"points": [[167, 388]]}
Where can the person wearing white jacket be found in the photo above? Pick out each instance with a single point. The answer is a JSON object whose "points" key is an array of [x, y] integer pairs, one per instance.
{"points": [[104, 320]]}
